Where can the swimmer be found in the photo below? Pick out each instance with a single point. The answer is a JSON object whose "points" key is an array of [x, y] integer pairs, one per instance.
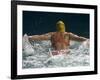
{"points": [[60, 39]]}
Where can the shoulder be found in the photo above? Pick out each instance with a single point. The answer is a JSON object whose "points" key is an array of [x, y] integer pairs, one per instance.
{"points": [[68, 33], [51, 33]]}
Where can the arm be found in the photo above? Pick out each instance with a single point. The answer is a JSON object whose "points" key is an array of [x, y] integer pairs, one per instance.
{"points": [[46, 36], [76, 38]]}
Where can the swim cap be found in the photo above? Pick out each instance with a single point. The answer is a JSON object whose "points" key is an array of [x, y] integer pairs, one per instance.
{"points": [[60, 26]]}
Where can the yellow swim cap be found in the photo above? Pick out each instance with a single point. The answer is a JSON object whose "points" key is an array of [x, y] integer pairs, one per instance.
{"points": [[60, 26]]}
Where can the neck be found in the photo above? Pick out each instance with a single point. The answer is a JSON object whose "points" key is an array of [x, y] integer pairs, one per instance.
{"points": [[62, 31]]}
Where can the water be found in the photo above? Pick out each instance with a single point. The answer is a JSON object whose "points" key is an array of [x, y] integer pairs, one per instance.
{"points": [[36, 55]]}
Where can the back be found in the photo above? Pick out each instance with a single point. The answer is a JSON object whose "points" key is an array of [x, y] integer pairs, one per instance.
{"points": [[60, 40]]}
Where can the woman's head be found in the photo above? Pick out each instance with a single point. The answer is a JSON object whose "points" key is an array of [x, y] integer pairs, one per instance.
{"points": [[60, 26]]}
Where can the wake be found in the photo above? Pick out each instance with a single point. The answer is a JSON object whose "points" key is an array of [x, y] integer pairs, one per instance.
{"points": [[36, 55]]}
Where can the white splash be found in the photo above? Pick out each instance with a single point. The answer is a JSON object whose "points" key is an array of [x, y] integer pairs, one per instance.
{"points": [[36, 54], [27, 47]]}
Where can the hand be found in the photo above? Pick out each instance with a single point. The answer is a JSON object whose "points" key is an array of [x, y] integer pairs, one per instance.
{"points": [[88, 42]]}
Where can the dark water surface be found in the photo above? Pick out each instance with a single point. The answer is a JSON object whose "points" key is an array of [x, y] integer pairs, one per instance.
{"points": [[44, 22]]}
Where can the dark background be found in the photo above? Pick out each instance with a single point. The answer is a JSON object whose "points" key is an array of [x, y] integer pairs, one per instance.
{"points": [[44, 22]]}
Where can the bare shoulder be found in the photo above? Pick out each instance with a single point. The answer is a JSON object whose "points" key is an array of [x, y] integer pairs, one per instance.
{"points": [[71, 34], [68, 33], [51, 33]]}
